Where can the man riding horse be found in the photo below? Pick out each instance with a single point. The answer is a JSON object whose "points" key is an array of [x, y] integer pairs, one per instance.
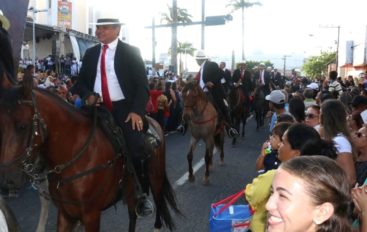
{"points": [[113, 74], [209, 79], [243, 77]]}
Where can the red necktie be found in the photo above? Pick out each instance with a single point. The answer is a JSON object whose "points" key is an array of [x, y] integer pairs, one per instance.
{"points": [[197, 77], [105, 93]]}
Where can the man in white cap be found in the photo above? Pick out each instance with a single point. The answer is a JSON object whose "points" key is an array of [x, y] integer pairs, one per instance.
{"points": [[113, 74], [209, 79], [277, 102]]}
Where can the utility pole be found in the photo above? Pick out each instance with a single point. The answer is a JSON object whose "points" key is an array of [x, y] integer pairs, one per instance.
{"points": [[153, 42], [337, 43], [284, 63], [202, 25]]}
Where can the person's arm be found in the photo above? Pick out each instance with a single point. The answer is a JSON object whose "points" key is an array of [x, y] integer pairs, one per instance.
{"points": [[346, 162], [359, 196], [260, 159]]}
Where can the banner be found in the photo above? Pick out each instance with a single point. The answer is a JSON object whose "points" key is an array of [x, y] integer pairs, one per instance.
{"points": [[64, 13], [16, 12]]}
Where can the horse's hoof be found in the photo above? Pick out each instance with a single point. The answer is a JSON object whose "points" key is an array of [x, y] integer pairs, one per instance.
{"points": [[191, 178], [221, 163], [206, 181], [156, 230]]}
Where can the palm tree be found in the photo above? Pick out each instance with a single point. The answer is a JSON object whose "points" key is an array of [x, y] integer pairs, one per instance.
{"points": [[176, 15], [242, 4], [184, 48]]}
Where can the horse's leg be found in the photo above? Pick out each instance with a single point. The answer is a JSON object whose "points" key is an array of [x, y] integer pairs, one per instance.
{"points": [[221, 136], [190, 158], [129, 193], [64, 222], [244, 120], [258, 118], [45, 204], [219, 144], [209, 142], [92, 221]]}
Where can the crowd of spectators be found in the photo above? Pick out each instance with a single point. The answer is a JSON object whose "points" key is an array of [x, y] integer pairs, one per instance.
{"points": [[323, 119]]}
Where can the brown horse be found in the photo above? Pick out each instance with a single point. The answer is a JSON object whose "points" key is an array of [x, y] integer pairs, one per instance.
{"points": [[202, 119], [239, 105], [85, 174]]}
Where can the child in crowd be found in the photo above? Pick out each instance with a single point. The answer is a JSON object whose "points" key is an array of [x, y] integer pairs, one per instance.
{"points": [[268, 158]]}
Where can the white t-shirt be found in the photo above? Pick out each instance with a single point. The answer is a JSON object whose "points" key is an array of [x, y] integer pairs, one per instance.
{"points": [[342, 144]]}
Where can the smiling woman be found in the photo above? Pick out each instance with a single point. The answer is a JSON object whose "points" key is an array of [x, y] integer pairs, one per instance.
{"points": [[309, 194]]}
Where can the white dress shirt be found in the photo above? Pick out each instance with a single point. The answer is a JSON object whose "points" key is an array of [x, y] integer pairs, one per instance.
{"points": [[202, 84], [114, 87]]}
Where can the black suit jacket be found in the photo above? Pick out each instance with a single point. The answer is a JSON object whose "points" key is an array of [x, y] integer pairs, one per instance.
{"points": [[267, 80], [130, 72], [212, 73], [247, 84]]}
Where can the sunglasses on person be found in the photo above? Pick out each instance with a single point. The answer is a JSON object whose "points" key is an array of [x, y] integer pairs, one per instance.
{"points": [[359, 134], [311, 116]]}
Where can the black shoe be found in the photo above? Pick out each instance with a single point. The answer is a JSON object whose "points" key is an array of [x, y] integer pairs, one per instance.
{"points": [[144, 207], [232, 132], [181, 129]]}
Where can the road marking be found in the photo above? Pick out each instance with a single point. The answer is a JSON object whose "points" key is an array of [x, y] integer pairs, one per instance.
{"points": [[183, 179]]}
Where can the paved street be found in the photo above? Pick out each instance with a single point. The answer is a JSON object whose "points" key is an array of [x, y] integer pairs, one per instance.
{"points": [[194, 199]]}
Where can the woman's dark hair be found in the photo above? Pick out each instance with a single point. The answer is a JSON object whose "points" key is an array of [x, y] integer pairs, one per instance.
{"points": [[325, 182], [334, 119], [285, 117], [297, 109], [307, 140]]}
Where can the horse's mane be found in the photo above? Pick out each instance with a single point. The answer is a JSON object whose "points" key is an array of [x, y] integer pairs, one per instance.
{"points": [[194, 86], [12, 96], [6, 56], [58, 100]]}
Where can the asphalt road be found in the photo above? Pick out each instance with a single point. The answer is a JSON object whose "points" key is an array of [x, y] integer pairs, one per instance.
{"points": [[194, 199]]}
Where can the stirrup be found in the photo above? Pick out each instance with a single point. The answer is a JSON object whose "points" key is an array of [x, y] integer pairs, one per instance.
{"points": [[181, 129], [232, 132]]}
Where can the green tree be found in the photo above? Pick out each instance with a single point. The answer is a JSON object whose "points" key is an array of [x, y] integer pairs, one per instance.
{"points": [[316, 66], [242, 5], [174, 16], [184, 49]]}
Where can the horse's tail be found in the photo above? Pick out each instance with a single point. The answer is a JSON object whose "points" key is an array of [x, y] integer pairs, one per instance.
{"points": [[7, 213], [168, 196]]}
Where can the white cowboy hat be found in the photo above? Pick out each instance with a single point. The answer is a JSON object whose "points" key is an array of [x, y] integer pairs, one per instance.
{"points": [[4, 21], [108, 21], [242, 62], [200, 55]]}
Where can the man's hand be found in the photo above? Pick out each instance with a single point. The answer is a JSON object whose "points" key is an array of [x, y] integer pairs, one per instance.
{"points": [[209, 84], [136, 121]]}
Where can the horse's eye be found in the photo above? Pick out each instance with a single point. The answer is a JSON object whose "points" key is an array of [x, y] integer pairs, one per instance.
{"points": [[21, 126]]}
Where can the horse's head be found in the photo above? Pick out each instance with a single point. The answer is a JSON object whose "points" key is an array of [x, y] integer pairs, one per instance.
{"points": [[19, 126], [193, 98]]}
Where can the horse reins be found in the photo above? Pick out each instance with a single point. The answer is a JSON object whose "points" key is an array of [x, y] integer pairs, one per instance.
{"points": [[39, 129]]}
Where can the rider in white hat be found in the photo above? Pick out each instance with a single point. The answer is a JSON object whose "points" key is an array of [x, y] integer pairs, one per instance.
{"points": [[209, 79]]}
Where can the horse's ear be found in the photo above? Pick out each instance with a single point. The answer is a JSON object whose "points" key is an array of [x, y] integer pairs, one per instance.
{"points": [[27, 85]]}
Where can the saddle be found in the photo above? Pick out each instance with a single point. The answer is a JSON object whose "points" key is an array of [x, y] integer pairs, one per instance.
{"points": [[115, 134]]}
